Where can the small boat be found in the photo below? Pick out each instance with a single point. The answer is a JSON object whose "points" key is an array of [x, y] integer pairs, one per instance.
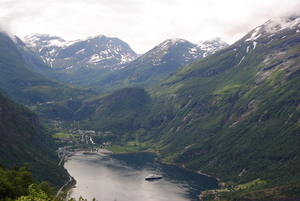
{"points": [[153, 176]]}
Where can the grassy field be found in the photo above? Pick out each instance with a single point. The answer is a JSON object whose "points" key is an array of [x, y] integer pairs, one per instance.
{"points": [[119, 149], [131, 146], [225, 193], [62, 135], [250, 184]]}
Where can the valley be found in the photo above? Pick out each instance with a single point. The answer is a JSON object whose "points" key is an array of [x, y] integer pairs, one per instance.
{"points": [[232, 113]]}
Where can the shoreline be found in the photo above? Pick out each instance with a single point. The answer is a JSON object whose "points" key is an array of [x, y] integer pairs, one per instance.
{"points": [[182, 167], [106, 151]]}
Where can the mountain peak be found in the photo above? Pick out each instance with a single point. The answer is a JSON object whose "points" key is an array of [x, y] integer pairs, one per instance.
{"points": [[274, 26], [93, 52], [178, 40], [97, 36], [278, 24], [212, 45], [35, 39]]}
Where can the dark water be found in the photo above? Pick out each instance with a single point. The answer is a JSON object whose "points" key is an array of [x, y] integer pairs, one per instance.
{"points": [[121, 177]]}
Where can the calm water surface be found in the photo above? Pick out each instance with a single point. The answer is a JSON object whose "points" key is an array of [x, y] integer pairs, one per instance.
{"points": [[121, 177]]}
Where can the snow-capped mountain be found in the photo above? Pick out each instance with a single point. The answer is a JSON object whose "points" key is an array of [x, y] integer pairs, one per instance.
{"points": [[273, 31], [181, 52], [273, 27], [158, 63], [211, 46], [101, 60], [176, 49], [93, 52]]}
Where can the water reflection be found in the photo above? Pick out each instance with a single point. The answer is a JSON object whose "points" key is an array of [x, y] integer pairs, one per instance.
{"points": [[122, 177]]}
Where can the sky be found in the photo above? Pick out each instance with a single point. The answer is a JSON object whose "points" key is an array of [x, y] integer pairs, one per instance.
{"points": [[142, 24]]}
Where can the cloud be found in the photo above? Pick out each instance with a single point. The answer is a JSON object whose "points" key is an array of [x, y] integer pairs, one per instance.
{"points": [[5, 28], [143, 23]]}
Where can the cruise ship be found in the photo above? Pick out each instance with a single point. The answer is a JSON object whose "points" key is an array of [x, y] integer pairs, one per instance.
{"points": [[153, 176]]}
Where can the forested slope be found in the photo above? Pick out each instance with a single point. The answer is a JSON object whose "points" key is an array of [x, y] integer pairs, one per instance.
{"points": [[24, 140]]}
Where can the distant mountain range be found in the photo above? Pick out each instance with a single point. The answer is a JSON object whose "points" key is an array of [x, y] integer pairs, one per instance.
{"points": [[106, 52], [103, 61], [158, 63]]}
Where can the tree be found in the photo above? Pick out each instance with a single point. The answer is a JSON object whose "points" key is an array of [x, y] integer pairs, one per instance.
{"points": [[34, 195]]}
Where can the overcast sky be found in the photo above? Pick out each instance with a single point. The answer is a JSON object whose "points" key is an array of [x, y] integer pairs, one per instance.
{"points": [[143, 24]]}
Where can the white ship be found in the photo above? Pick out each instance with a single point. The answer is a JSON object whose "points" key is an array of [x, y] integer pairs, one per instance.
{"points": [[153, 176]]}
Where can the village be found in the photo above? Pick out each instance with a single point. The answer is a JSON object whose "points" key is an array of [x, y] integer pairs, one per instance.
{"points": [[82, 141]]}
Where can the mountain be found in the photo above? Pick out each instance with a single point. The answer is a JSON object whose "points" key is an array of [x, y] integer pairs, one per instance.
{"points": [[233, 115], [82, 60], [158, 63], [16, 76], [235, 110], [93, 52], [20, 81], [110, 63], [211, 46], [36, 63], [24, 140]]}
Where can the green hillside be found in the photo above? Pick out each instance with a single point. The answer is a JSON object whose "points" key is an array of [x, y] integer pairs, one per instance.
{"points": [[24, 140], [235, 110], [35, 62], [20, 80], [115, 112], [233, 115], [15, 74]]}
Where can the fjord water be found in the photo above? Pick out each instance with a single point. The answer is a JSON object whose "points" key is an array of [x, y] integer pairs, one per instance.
{"points": [[121, 177]]}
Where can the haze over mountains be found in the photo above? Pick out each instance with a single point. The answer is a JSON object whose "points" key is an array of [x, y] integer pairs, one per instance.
{"points": [[233, 114]]}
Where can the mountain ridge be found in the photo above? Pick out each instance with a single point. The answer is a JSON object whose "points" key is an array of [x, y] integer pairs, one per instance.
{"points": [[103, 72], [88, 52]]}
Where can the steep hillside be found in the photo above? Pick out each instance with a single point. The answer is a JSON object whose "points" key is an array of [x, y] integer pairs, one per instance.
{"points": [[25, 85], [36, 63], [235, 114], [115, 112], [24, 140], [15, 74]]}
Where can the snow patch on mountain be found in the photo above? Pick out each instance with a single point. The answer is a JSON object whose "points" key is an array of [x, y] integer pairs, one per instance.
{"points": [[255, 35], [211, 46], [97, 52], [177, 40], [80, 51], [279, 24], [274, 26]]}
